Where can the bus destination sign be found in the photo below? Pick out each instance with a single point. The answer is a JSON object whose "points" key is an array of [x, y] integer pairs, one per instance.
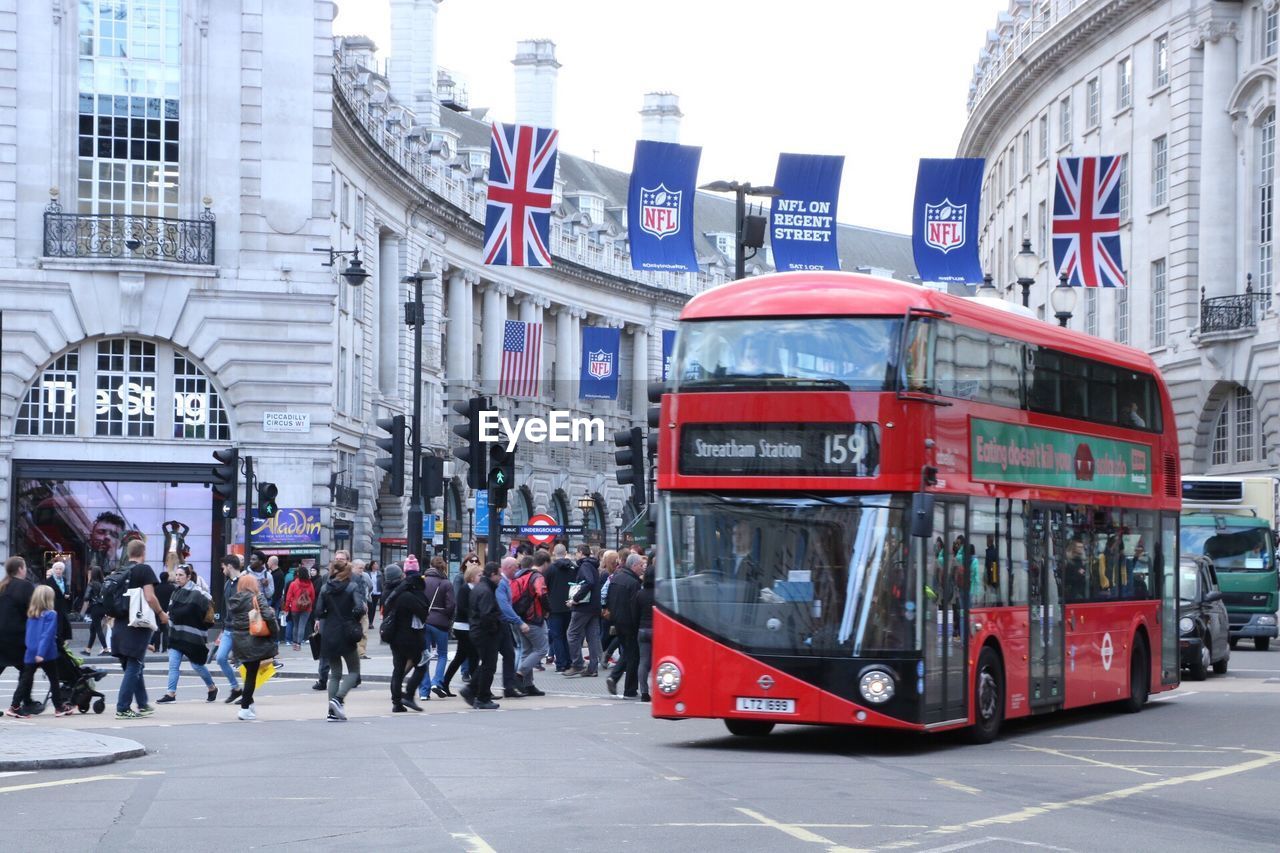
{"points": [[779, 450]]}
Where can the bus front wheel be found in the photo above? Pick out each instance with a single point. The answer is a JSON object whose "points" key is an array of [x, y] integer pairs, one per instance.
{"points": [[1139, 678], [748, 728], [988, 698]]}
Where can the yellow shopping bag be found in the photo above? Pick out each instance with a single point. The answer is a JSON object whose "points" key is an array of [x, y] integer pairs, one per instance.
{"points": [[265, 671]]}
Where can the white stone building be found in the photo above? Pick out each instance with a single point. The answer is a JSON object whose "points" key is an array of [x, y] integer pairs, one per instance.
{"points": [[1185, 91], [168, 171]]}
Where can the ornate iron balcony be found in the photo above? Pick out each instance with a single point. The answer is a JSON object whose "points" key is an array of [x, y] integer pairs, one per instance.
{"points": [[128, 237], [1231, 313]]}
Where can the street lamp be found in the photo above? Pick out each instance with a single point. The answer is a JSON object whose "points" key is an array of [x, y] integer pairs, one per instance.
{"points": [[355, 273], [750, 229], [1025, 267], [1063, 298], [988, 288], [413, 316]]}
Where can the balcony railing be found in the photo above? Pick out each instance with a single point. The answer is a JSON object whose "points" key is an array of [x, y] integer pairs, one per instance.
{"points": [[1232, 313], [128, 237]]}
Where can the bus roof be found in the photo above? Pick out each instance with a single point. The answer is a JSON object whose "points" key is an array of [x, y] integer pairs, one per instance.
{"points": [[825, 293]]}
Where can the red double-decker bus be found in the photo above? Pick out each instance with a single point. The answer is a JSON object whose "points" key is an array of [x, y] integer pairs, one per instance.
{"points": [[881, 505]]}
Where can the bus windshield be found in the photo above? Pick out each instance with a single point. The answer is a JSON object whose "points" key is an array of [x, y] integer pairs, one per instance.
{"points": [[844, 353], [816, 575], [1232, 549]]}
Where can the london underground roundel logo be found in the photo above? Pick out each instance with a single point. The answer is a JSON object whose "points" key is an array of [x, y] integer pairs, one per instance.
{"points": [[541, 521]]}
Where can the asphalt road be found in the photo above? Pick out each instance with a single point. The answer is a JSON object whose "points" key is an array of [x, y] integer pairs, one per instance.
{"points": [[1199, 769]]}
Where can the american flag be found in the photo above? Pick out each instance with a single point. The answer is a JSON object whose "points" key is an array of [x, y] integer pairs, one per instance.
{"points": [[1086, 221], [521, 359], [522, 172]]}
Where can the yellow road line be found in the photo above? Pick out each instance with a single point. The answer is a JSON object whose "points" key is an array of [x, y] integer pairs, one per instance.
{"points": [[1061, 754], [472, 842], [1115, 739], [957, 786], [796, 832], [59, 783]]}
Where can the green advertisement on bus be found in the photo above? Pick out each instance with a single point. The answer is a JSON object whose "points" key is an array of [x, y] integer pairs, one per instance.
{"points": [[1011, 453]]}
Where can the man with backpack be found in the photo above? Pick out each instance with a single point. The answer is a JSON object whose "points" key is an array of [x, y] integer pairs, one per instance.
{"points": [[529, 601], [128, 643]]}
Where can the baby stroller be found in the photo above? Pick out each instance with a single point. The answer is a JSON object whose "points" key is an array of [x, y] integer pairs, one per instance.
{"points": [[77, 682]]}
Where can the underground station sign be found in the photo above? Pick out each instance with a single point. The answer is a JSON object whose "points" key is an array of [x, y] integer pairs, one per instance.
{"points": [[541, 529]]}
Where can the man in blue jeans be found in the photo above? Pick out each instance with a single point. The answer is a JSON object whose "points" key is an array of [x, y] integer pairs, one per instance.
{"points": [[230, 570], [130, 644]]}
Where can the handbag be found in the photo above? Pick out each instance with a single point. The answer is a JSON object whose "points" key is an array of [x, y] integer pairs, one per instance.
{"points": [[258, 626], [314, 641], [573, 592], [140, 613]]}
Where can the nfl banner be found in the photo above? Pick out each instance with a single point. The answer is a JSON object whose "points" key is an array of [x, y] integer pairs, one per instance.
{"points": [[599, 380], [802, 222], [660, 206], [944, 228], [668, 352], [522, 173]]}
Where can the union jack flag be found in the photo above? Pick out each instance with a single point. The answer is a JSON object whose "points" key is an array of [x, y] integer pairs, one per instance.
{"points": [[522, 172], [1086, 221], [521, 359]]}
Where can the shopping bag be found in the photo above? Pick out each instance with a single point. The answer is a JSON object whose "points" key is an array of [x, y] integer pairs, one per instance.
{"points": [[265, 671], [140, 613]]}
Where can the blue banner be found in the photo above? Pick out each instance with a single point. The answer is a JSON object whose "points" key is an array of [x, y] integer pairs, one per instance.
{"points": [[802, 222], [599, 377], [944, 230], [660, 206], [668, 352]]}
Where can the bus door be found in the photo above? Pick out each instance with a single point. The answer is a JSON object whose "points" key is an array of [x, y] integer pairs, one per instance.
{"points": [[947, 559], [1044, 593]]}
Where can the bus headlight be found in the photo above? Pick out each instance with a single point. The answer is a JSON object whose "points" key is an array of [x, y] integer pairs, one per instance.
{"points": [[1266, 620], [876, 686], [1185, 625], [668, 677]]}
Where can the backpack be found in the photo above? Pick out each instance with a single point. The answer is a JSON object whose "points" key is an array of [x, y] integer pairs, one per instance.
{"points": [[524, 597], [304, 599], [115, 600], [387, 630]]}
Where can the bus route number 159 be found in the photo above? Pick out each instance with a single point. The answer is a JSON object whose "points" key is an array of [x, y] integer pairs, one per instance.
{"points": [[844, 448]]}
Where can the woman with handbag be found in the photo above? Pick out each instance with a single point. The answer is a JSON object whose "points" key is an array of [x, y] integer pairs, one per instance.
{"points": [[190, 618], [339, 615], [298, 603], [404, 624], [253, 631]]}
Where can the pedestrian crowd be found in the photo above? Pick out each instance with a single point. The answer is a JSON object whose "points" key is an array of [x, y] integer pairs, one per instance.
{"points": [[537, 610]]}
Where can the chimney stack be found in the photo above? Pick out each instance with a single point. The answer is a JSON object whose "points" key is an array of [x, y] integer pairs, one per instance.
{"points": [[536, 71], [660, 118], [412, 67]]}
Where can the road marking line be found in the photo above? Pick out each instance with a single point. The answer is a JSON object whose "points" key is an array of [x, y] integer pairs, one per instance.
{"points": [[1115, 739], [1082, 758], [982, 842], [1025, 814], [472, 842], [794, 831], [957, 786], [59, 783], [9, 773]]}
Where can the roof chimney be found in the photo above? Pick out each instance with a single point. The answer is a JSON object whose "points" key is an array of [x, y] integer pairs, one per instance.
{"points": [[660, 118], [412, 67], [536, 71]]}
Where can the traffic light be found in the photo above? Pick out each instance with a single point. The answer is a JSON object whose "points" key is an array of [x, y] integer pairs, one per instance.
{"points": [[432, 483], [656, 390], [267, 500], [502, 474], [474, 453], [226, 479], [630, 459], [393, 464]]}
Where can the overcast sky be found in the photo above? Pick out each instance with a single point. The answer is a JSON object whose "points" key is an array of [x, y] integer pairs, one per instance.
{"points": [[884, 84]]}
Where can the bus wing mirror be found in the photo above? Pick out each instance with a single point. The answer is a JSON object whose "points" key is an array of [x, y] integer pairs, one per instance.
{"points": [[922, 515]]}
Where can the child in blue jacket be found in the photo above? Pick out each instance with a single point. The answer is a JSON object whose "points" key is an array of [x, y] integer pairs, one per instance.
{"points": [[42, 651]]}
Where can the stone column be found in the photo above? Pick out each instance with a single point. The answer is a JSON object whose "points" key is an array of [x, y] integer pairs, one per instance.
{"points": [[566, 367], [1216, 255], [493, 318], [639, 373], [576, 349], [458, 368]]}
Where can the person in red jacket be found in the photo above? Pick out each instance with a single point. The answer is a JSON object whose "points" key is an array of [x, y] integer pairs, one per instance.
{"points": [[299, 600]]}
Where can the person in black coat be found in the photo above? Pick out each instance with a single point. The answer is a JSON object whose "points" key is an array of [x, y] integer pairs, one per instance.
{"points": [[61, 585], [623, 590], [339, 613], [409, 605], [644, 619], [464, 652], [486, 625], [560, 574], [15, 598]]}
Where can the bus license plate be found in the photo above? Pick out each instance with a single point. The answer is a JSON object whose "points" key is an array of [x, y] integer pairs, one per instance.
{"points": [[766, 706]]}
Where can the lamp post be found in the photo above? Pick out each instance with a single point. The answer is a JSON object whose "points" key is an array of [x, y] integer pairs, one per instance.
{"points": [[1025, 267], [586, 503], [741, 191], [988, 288], [1063, 298], [413, 317], [355, 273]]}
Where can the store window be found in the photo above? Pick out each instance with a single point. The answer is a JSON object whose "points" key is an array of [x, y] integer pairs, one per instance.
{"points": [[128, 377]]}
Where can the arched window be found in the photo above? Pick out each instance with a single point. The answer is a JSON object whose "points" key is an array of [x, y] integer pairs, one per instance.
{"points": [[1264, 201], [1235, 435], [560, 507], [129, 376], [520, 506]]}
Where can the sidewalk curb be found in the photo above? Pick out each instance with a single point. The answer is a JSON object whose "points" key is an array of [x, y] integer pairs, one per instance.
{"points": [[119, 749]]}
